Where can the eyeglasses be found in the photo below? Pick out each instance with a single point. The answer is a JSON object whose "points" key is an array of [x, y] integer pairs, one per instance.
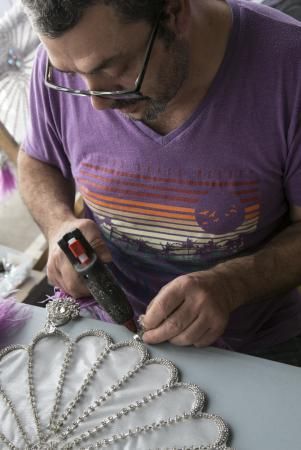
{"points": [[127, 94]]}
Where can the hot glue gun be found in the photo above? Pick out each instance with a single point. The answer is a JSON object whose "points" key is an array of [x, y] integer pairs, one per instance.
{"points": [[98, 278]]}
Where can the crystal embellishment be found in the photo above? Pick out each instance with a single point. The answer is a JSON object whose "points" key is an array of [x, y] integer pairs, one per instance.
{"points": [[61, 311]]}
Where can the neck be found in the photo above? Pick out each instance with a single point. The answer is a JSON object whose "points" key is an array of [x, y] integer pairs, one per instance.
{"points": [[208, 37]]}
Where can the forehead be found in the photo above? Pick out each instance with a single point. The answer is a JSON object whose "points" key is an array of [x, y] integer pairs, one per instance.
{"points": [[99, 35]]}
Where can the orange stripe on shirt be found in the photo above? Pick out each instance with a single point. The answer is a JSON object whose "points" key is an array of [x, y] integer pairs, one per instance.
{"points": [[251, 216], [114, 200], [138, 194], [252, 208], [138, 210], [141, 185]]}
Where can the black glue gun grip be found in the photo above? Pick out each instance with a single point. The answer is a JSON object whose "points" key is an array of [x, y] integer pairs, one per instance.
{"points": [[99, 280], [106, 292]]}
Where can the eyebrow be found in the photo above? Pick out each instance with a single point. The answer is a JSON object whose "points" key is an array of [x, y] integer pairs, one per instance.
{"points": [[104, 64]]}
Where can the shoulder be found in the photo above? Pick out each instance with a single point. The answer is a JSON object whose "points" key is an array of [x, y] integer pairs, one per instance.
{"points": [[268, 20], [266, 12], [40, 59], [271, 35]]}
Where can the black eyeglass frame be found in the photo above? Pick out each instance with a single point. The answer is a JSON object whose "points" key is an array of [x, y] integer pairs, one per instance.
{"points": [[127, 94]]}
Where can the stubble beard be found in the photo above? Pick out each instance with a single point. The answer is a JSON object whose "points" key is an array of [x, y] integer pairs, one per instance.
{"points": [[169, 83]]}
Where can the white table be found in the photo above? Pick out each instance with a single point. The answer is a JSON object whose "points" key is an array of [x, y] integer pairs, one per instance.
{"points": [[259, 399]]}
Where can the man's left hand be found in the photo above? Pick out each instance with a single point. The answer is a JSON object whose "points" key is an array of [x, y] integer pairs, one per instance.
{"points": [[193, 309]]}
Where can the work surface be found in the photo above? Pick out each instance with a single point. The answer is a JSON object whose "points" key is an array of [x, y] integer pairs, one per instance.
{"points": [[259, 399]]}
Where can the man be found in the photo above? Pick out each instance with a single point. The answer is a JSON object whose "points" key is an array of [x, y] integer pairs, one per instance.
{"points": [[191, 176]]}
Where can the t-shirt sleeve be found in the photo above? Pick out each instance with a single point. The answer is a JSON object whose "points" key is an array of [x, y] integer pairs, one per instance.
{"points": [[43, 138]]}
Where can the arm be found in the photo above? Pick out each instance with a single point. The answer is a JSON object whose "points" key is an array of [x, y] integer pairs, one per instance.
{"points": [[50, 199], [272, 271], [47, 194], [194, 309]]}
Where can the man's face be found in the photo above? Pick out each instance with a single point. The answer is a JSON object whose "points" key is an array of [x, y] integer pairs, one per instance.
{"points": [[108, 54]]}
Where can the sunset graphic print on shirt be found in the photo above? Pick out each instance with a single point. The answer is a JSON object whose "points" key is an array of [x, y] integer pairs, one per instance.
{"points": [[180, 218]]}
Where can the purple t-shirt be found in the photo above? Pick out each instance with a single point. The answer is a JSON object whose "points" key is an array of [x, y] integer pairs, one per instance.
{"points": [[217, 187]]}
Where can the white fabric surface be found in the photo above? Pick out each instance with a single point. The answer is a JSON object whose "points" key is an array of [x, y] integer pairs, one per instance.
{"points": [[48, 357]]}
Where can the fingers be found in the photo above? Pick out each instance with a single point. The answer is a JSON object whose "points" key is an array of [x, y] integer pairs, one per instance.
{"points": [[60, 271], [171, 327], [168, 300], [61, 274], [184, 328], [208, 338], [185, 313], [54, 274], [194, 334], [198, 335], [207, 327], [67, 280]]}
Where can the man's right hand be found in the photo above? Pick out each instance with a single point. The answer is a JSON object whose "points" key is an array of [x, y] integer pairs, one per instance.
{"points": [[59, 270]]}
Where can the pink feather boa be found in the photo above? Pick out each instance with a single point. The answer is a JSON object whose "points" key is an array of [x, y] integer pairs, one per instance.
{"points": [[7, 180], [13, 316]]}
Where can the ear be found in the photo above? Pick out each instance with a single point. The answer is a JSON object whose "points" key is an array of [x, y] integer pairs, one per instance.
{"points": [[178, 14]]}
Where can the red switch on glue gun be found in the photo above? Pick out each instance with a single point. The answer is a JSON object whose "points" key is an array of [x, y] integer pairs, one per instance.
{"points": [[98, 278]]}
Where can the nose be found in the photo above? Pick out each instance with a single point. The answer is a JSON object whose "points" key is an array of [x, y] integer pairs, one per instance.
{"points": [[98, 103]]}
